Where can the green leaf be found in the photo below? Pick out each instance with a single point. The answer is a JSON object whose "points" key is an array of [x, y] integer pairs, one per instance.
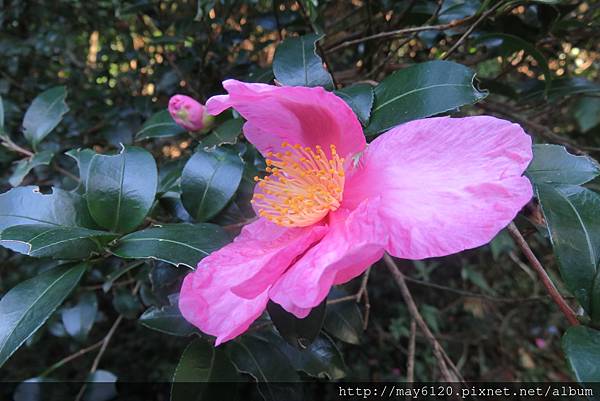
{"points": [[571, 213], [420, 91], [159, 125], [321, 359], [267, 365], [121, 188], [300, 333], [201, 363], [225, 134], [508, 44], [43, 240], [79, 319], [582, 348], [169, 176], [587, 112], [360, 99], [44, 114], [209, 181], [559, 89], [83, 157], [296, 63], [126, 303], [178, 244], [2, 131], [27, 205], [26, 307], [343, 320], [552, 164], [167, 320], [26, 165]]}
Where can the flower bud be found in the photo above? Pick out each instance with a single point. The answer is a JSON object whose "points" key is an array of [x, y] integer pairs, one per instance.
{"points": [[188, 113]]}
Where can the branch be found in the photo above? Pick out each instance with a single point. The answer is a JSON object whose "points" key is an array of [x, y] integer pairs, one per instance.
{"points": [[443, 359], [537, 266]]}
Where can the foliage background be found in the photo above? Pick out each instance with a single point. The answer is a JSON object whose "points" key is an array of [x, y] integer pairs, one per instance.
{"points": [[120, 61]]}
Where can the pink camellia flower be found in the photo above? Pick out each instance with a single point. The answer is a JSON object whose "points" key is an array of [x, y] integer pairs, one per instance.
{"points": [[332, 205], [187, 112]]}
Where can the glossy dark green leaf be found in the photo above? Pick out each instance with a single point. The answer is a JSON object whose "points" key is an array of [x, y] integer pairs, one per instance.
{"points": [[267, 365], [300, 333], [27, 205], [59, 242], [83, 157], [26, 165], [582, 348], [121, 188], [168, 320], [587, 112], [419, 91], [44, 114], [200, 364], [552, 164], [2, 131], [296, 63], [321, 359], [26, 307], [343, 320], [79, 319], [159, 125], [225, 134], [209, 181], [507, 44], [360, 98], [169, 176], [178, 244], [571, 213]]}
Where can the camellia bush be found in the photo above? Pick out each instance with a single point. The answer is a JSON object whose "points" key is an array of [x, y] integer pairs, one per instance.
{"points": [[282, 194]]}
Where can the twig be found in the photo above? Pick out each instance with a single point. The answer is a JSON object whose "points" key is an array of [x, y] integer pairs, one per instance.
{"points": [[471, 28], [410, 364], [546, 281], [70, 358], [443, 359]]}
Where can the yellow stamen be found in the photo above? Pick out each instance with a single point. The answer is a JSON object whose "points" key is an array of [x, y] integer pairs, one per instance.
{"points": [[304, 185]]}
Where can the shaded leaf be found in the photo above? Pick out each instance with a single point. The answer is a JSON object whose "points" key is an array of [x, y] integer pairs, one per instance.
{"points": [[360, 98], [300, 333], [26, 165], [118, 197], [168, 320], [44, 114], [201, 364], [582, 348], [59, 242], [559, 89], [225, 134], [419, 91], [101, 386], [209, 181], [552, 164], [83, 157], [587, 112], [126, 303], [177, 244], [296, 63], [26, 307], [343, 320], [571, 213], [159, 125]]}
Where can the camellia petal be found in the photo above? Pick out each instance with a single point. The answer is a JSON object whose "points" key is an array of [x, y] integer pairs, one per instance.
{"points": [[446, 184], [252, 263], [355, 240], [296, 115]]}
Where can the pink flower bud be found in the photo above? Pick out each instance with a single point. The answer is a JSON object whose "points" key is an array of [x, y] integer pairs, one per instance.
{"points": [[187, 112]]}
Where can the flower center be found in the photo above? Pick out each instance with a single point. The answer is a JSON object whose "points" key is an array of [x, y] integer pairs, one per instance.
{"points": [[304, 186]]}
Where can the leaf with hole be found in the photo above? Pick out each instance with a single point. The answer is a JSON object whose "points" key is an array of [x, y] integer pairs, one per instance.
{"points": [[24, 166], [553, 165]]}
